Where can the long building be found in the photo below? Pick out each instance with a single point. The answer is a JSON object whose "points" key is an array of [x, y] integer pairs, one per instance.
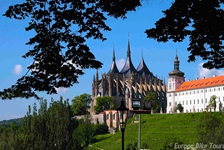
{"points": [[193, 95]]}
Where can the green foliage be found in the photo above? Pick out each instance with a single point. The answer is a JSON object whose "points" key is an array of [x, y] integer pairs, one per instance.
{"points": [[173, 143], [180, 108], [60, 53], [194, 19], [212, 103], [104, 103], [44, 128], [152, 99], [211, 128], [132, 146], [101, 128], [84, 133], [80, 104]]}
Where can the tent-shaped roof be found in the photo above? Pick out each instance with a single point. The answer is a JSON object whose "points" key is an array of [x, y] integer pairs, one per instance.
{"points": [[113, 68], [128, 68]]}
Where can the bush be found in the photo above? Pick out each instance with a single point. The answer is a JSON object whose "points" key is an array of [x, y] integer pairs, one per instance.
{"points": [[101, 129]]}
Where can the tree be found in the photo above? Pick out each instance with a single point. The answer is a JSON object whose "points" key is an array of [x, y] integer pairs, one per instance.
{"points": [[104, 103], [180, 108], [60, 53], [80, 104], [84, 133], [152, 99], [201, 21], [212, 103]]}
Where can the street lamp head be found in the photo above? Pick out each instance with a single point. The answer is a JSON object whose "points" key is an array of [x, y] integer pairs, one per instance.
{"points": [[122, 109]]}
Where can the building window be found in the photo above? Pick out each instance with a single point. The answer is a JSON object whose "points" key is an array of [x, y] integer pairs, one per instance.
{"points": [[197, 91], [190, 92], [202, 101], [194, 92], [190, 102], [218, 89], [214, 89], [183, 102], [206, 100], [175, 94], [176, 103], [169, 103], [169, 95], [206, 90], [186, 103], [198, 110], [201, 91], [186, 93], [198, 101], [113, 116], [210, 90], [194, 101]]}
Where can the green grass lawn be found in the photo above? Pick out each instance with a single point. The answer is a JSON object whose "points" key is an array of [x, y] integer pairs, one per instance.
{"points": [[156, 129]]}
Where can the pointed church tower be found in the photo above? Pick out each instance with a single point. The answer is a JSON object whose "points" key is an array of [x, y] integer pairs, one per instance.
{"points": [[113, 68], [176, 77], [128, 68], [142, 68]]}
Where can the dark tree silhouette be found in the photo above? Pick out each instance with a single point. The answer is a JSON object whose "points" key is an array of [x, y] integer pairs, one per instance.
{"points": [[59, 50], [200, 20]]}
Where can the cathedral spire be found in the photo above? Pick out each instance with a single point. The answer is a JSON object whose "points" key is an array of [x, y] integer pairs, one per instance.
{"points": [[142, 68], [113, 68], [128, 68]]}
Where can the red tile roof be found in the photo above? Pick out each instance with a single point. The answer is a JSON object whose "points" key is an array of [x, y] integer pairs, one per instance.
{"points": [[201, 83]]}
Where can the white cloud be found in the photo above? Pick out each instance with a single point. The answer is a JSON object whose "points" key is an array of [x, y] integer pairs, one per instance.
{"points": [[203, 72], [61, 90], [120, 63], [18, 69]]}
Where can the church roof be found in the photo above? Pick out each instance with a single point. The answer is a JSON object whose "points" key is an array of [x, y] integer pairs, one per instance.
{"points": [[113, 68], [128, 68], [201, 83], [142, 68]]}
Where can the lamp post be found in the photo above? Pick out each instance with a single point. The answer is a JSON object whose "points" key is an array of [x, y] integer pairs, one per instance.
{"points": [[122, 109]]}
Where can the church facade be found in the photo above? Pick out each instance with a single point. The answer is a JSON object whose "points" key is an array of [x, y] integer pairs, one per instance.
{"points": [[129, 83], [193, 95]]}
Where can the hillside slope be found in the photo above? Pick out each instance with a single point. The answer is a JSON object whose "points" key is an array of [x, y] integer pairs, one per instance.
{"points": [[156, 129]]}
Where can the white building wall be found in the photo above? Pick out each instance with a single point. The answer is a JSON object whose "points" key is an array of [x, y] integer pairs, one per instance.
{"points": [[195, 100]]}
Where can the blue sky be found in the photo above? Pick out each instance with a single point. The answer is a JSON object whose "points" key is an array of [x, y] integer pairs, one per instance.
{"points": [[159, 57]]}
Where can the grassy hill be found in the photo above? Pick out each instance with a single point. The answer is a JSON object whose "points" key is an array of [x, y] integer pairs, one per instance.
{"points": [[156, 129]]}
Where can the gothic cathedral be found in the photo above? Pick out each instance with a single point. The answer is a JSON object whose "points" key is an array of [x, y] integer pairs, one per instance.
{"points": [[129, 83]]}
